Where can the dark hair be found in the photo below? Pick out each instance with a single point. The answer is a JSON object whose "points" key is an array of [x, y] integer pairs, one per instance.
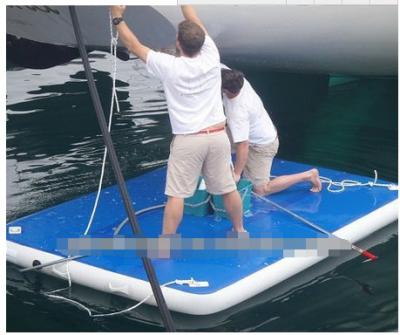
{"points": [[232, 80], [191, 37]]}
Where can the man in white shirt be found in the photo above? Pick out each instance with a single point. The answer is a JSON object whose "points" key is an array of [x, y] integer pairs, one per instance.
{"points": [[255, 137], [200, 145]]}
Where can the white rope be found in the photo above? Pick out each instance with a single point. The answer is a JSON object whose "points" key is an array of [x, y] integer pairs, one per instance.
{"points": [[51, 294], [245, 190], [126, 220], [340, 186], [113, 51], [148, 209], [89, 311], [216, 209], [199, 203], [132, 307], [68, 277]]}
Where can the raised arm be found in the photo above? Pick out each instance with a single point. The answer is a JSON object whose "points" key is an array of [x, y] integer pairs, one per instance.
{"points": [[128, 37], [190, 14]]}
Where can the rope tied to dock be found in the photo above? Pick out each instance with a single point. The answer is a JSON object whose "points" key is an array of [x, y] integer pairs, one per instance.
{"points": [[51, 294]]}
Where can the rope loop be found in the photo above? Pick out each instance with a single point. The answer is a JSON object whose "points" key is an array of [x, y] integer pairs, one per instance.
{"points": [[340, 186]]}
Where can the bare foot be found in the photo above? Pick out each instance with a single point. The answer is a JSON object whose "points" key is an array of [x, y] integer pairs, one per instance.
{"points": [[314, 179]]}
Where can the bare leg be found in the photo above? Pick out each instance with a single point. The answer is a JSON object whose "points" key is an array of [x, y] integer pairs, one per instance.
{"points": [[172, 215], [233, 205], [283, 182]]}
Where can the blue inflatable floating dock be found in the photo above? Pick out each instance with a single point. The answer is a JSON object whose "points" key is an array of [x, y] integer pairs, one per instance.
{"points": [[223, 276]]}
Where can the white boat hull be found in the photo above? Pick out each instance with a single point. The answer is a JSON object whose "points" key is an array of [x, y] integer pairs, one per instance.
{"points": [[347, 39]]}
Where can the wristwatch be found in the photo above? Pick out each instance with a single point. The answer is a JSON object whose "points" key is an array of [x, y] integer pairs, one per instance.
{"points": [[117, 20]]}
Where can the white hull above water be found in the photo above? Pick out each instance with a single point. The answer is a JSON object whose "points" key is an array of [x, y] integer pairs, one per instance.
{"points": [[339, 39]]}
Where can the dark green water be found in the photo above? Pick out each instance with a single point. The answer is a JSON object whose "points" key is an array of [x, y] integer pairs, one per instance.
{"points": [[54, 152]]}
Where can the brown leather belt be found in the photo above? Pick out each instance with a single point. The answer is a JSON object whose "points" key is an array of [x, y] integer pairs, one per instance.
{"points": [[209, 131]]}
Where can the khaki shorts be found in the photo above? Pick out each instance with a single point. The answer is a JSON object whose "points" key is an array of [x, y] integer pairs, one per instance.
{"points": [[190, 156], [259, 162]]}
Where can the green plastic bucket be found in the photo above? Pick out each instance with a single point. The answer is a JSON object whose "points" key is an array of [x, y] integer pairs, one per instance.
{"points": [[244, 187], [199, 203]]}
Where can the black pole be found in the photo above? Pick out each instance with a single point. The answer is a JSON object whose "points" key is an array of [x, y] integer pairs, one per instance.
{"points": [[165, 313]]}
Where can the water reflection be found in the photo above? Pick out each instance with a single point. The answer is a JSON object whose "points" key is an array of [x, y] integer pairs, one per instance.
{"points": [[54, 152], [54, 146]]}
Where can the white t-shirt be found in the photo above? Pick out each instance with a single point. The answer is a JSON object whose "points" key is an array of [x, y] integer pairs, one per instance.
{"points": [[247, 118], [192, 87]]}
